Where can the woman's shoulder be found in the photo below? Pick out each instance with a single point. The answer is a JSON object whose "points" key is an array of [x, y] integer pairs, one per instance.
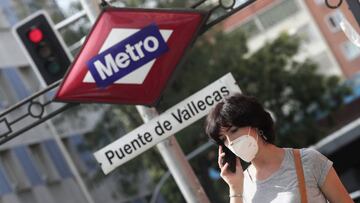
{"points": [[317, 163], [311, 154], [307, 153], [310, 157]]}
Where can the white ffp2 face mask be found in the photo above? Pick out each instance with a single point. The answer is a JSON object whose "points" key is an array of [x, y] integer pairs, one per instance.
{"points": [[244, 147]]}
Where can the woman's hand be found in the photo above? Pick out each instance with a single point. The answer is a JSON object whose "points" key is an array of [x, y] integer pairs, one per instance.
{"points": [[234, 180]]}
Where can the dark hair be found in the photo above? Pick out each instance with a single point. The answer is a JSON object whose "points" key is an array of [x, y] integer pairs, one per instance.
{"points": [[239, 110]]}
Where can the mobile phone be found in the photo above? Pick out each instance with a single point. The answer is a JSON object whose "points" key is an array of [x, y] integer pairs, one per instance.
{"points": [[229, 158]]}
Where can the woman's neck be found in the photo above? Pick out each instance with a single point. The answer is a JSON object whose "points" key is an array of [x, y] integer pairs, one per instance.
{"points": [[268, 155], [267, 161]]}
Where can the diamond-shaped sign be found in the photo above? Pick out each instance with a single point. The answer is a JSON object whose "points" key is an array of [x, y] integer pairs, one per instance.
{"points": [[130, 55]]}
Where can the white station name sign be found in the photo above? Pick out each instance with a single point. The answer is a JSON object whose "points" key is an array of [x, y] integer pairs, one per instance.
{"points": [[168, 123]]}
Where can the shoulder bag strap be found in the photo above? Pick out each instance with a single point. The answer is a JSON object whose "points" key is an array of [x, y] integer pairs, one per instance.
{"points": [[300, 175]]}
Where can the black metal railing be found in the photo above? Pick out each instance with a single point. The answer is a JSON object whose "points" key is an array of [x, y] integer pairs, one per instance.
{"points": [[36, 109]]}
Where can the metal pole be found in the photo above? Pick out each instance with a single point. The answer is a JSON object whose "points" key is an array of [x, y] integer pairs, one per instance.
{"points": [[191, 155], [169, 149], [177, 163]]}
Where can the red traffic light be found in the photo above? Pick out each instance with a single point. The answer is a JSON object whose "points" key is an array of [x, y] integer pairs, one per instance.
{"points": [[35, 35], [39, 40]]}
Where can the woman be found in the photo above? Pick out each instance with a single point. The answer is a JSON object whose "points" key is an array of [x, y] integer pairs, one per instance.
{"points": [[241, 126]]}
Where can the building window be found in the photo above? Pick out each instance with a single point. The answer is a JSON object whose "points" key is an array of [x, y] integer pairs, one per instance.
{"points": [[30, 80], [28, 165], [278, 13], [7, 96], [44, 164], [15, 175], [3, 100], [55, 154], [13, 78], [5, 187], [333, 21], [350, 50]]}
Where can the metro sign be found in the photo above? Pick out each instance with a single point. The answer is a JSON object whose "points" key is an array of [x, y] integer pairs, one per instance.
{"points": [[130, 55]]}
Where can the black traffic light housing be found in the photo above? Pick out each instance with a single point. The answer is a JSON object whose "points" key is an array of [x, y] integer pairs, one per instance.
{"points": [[43, 47]]}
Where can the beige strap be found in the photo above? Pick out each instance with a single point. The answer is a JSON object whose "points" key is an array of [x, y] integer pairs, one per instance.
{"points": [[300, 175]]}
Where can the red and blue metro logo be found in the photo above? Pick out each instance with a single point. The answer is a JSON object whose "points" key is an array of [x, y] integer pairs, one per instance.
{"points": [[129, 56]]}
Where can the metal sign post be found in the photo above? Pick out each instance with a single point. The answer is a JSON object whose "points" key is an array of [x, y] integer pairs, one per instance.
{"points": [[175, 160]]}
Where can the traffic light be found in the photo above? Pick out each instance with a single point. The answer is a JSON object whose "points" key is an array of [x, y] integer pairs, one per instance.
{"points": [[44, 49]]}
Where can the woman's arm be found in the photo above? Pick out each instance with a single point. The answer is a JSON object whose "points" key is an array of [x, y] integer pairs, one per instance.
{"points": [[334, 190], [235, 198]]}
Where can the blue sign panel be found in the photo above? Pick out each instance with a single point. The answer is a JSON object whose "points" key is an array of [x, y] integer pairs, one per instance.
{"points": [[127, 56]]}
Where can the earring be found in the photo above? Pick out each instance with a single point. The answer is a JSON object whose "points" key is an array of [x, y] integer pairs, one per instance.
{"points": [[261, 133]]}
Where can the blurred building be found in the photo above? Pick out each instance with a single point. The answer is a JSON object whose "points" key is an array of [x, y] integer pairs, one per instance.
{"points": [[32, 167], [264, 20], [346, 53]]}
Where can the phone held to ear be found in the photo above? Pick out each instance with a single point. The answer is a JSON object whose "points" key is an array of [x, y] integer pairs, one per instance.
{"points": [[229, 158]]}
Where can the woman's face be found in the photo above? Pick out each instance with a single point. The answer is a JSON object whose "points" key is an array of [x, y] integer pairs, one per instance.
{"points": [[229, 134]]}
